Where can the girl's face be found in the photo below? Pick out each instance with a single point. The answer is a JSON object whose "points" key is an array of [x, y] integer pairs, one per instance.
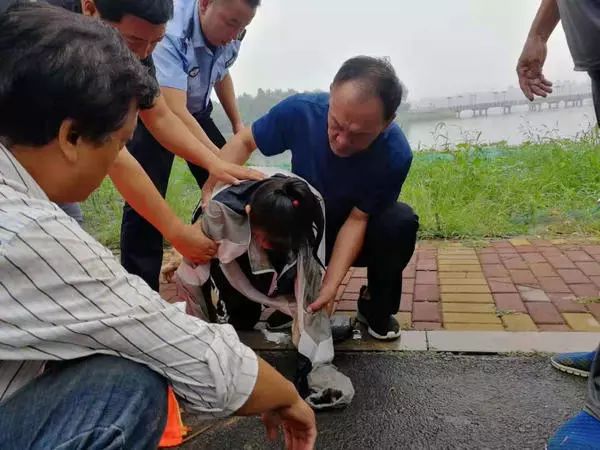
{"points": [[260, 237]]}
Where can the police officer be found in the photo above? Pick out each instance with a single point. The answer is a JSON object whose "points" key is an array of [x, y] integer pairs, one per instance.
{"points": [[202, 41]]}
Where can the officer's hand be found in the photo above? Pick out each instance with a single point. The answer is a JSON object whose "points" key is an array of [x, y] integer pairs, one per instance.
{"points": [[529, 69], [192, 243], [297, 422], [230, 173]]}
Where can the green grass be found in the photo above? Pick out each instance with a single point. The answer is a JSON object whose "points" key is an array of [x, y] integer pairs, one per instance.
{"points": [[475, 192]]}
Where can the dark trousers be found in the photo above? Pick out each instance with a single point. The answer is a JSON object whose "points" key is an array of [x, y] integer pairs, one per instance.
{"points": [[141, 243], [389, 244], [595, 76]]}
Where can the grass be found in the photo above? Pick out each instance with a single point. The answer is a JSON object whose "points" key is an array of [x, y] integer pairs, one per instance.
{"points": [[474, 192]]}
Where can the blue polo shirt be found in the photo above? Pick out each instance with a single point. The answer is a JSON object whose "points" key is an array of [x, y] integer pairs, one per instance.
{"points": [[369, 180], [184, 61]]}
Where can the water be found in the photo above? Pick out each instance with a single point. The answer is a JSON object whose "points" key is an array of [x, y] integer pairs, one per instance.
{"points": [[515, 128]]}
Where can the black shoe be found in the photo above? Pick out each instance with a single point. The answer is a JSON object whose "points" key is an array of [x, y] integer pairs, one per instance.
{"points": [[279, 321], [386, 332], [342, 328]]}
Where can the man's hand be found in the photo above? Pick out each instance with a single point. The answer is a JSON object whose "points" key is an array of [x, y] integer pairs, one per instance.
{"points": [[237, 127], [326, 299], [192, 243], [231, 173], [298, 423], [530, 66]]}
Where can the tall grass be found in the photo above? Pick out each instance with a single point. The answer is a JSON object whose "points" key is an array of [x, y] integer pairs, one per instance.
{"points": [[539, 188]]}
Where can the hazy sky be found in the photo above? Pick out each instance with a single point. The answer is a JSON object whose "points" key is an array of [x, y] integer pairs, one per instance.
{"points": [[438, 47]]}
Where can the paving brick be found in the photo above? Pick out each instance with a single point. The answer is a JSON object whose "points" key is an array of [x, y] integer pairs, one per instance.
{"points": [[519, 242], [405, 320], [463, 281], [542, 269], [347, 277], [566, 303], [541, 243], [475, 275], [573, 276], [345, 305], [515, 263], [523, 277], [526, 249], [544, 313], [501, 287], [355, 284], [507, 252], [594, 308], [350, 296], [495, 270], [465, 288], [409, 272], [424, 277], [585, 290], [468, 308], [459, 268], [489, 258], [427, 326], [501, 244], [487, 251], [582, 322], [340, 292], [578, 255], [360, 272], [595, 280], [552, 327], [530, 294], [553, 284], [560, 262], [408, 285], [533, 258], [427, 292], [473, 327], [406, 303], [426, 312], [471, 318], [518, 322], [509, 302], [467, 298], [589, 268], [591, 249], [427, 264]]}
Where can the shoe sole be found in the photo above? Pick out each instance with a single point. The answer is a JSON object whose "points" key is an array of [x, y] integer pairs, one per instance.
{"points": [[570, 370], [389, 337]]}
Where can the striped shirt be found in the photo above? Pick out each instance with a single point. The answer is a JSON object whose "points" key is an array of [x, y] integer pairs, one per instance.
{"points": [[64, 296]]}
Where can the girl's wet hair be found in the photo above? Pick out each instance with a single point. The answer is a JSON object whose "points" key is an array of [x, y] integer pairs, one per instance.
{"points": [[289, 213]]}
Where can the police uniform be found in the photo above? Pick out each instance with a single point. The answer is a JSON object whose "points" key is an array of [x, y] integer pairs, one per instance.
{"points": [[184, 61]]}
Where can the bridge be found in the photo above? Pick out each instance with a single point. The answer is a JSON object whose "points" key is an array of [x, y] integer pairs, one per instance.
{"points": [[569, 95]]}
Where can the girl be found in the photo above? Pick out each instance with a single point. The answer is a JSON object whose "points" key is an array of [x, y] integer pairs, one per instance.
{"points": [[271, 253]]}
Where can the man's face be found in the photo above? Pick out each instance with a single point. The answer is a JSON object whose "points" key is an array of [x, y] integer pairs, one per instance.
{"points": [[354, 121], [140, 35], [94, 160], [223, 20]]}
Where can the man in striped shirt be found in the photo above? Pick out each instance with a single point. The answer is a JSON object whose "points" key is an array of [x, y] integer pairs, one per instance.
{"points": [[86, 350]]}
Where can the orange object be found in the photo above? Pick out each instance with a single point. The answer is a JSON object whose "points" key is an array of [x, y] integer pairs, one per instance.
{"points": [[175, 430]]}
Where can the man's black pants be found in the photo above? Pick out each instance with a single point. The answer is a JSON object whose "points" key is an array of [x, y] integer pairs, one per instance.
{"points": [[141, 243]]}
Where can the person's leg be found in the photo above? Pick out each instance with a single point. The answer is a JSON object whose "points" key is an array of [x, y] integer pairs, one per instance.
{"points": [[100, 402], [389, 245], [213, 133], [141, 243], [73, 210], [243, 314], [583, 430]]}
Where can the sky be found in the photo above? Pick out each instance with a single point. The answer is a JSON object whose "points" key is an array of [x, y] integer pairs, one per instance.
{"points": [[438, 47]]}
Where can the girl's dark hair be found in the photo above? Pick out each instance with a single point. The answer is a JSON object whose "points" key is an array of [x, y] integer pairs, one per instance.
{"points": [[289, 213]]}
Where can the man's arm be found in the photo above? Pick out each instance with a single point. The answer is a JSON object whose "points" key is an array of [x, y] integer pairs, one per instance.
{"points": [[226, 94], [533, 56], [189, 141], [138, 190], [348, 244], [236, 151], [92, 305]]}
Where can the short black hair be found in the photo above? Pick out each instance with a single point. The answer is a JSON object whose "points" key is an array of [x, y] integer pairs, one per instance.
{"points": [[253, 3], [156, 12], [377, 77], [59, 65]]}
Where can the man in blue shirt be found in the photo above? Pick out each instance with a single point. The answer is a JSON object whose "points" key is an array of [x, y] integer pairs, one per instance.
{"points": [[347, 146], [202, 41]]}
